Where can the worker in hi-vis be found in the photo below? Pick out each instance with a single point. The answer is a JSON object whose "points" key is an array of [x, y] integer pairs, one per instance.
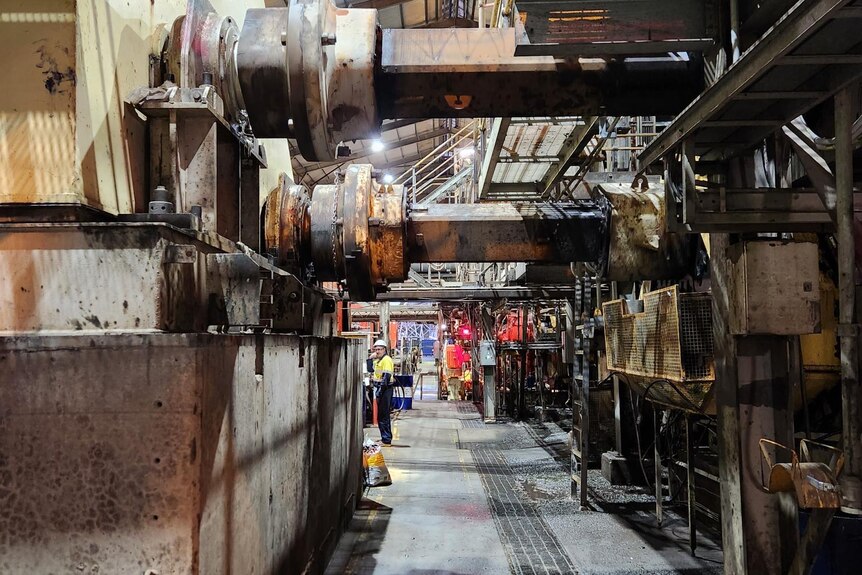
{"points": [[384, 369]]}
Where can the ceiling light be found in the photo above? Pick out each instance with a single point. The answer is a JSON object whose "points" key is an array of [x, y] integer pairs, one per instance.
{"points": [[377, 146], [388, 178]]}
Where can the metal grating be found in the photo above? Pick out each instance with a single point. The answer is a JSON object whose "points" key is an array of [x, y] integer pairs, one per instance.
{"points": [[666, 350], [531, 546], [698, 359]]}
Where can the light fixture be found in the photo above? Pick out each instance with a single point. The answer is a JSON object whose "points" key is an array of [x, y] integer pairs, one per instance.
{"points": [[388, 178], [467, 152], [377, 146]]}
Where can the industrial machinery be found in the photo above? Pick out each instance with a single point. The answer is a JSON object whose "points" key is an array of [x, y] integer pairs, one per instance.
{"points": [[325, 76], [366, 235], [131, 240]]}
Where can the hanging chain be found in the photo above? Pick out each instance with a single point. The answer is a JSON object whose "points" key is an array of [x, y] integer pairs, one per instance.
{"points": [[334, 227]]}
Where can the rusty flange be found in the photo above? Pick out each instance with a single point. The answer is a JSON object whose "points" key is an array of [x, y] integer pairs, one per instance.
{"points": [[287, 230], [386, 235], [327, 252], [307, 72], [351, 232], [357, 210]]}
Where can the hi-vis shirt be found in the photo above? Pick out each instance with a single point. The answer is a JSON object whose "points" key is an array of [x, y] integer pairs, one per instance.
{"points": [[381, 366]]}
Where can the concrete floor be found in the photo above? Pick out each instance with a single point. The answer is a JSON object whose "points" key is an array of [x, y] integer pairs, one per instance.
{"points": [[473, 498]]}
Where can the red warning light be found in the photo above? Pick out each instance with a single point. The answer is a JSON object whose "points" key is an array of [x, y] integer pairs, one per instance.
{"points": [[465, 331]]}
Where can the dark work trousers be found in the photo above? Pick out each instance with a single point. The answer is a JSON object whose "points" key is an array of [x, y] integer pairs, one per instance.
{"points": [[384, 405]]}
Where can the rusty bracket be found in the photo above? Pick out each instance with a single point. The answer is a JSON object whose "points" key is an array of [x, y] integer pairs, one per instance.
{"points": [[814, 482]]}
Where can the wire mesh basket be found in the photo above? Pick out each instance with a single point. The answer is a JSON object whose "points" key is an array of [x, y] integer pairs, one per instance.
{"points": [[665, 351]]}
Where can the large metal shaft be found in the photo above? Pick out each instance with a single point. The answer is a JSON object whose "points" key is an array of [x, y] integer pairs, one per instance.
{"points": [[547, 233], [363, 234], [324, 75]]}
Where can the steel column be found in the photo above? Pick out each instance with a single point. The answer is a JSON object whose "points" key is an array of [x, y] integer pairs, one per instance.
{"points": [[690, 482], [657, 467], [851, 391], [618, 433], [384, 324], [727, 406], [764, 411], [489, 394]]}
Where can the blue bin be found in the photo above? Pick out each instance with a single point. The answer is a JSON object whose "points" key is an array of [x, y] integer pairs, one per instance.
{"points": [[403, 380], [402, 402], [428, 347]]}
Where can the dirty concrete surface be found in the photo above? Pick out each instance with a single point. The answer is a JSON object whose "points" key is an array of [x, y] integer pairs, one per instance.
{"points": [[474, 498]]}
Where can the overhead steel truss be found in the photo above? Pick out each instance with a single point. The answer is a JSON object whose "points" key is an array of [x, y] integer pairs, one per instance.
{"points": [[807, 57]]}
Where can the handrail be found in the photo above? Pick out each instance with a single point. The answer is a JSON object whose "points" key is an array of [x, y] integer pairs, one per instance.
{"points": [[423, 175], [435, 150]]}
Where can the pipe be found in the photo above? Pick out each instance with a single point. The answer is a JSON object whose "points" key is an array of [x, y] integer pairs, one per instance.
{"points": [[734, 31]]}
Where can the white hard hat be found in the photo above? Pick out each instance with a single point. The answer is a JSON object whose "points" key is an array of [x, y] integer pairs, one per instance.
{"points": [[379, 343]]}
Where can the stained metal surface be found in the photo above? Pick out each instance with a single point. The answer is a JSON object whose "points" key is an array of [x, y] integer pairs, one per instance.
{"points": [[386, 234], [195, 154], [262, 71], [507, 232], [327, 251], [93, 278], [352, 99], [287, 224], [234, 281], [138, 276], [640, 245], [356, 201], [814, 482], [166, 453], [776, 287]]}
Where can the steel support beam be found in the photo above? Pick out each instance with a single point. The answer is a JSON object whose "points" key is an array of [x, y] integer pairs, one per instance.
{"points": [[620, 48], [571, 150], [727, 411], [384, 323], [493, 145], [489, 393], [851, 390], [475, 293], [474, 73], [805, 18]]}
